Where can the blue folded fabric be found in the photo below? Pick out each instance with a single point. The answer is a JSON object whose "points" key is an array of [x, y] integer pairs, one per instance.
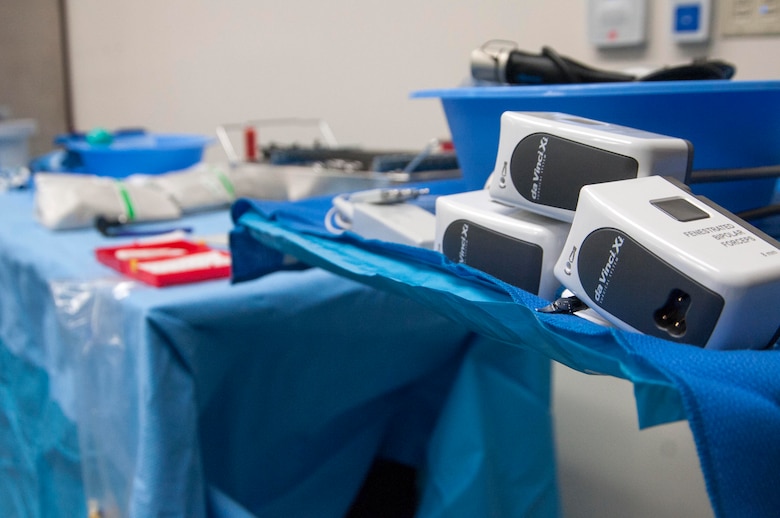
{"points": [[40, 465], [731, 399]]}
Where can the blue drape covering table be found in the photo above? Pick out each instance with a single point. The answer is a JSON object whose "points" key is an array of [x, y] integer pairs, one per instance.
{"points": [[260, 399], [731, 399]]}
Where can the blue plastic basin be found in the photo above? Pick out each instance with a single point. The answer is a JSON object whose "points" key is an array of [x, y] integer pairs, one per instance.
{"points": [[147, 153], [731, 124]]}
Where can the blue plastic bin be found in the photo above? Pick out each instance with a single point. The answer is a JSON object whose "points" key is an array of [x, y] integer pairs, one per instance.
{"points": [[731, 124], [147, 153]]}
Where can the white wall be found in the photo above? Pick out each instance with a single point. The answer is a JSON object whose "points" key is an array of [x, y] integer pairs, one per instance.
{"points": [[189, 65]]}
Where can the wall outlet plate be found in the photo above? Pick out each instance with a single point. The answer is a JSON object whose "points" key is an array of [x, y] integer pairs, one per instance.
{"points": [[617, 23]]}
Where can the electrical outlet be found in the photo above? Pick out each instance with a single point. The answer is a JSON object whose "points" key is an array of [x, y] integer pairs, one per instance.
{"points": [[749, 17], [617, 23]]}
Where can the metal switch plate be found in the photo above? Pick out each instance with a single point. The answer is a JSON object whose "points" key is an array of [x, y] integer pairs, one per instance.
{"points": [[749, 17]]}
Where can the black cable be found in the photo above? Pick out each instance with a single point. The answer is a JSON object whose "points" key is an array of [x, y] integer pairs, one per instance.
{"points": [[737, 174], [698, 70], [577, 72], [760, 213], [728, 175], [501, 61], [563, 65]]}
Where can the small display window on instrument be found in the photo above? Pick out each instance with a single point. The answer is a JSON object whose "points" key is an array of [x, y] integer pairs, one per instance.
{"points": [[680, 209]]}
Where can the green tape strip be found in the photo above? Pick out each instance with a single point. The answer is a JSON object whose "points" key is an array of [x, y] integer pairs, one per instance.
{"points": [[226, 183], [126, 199]]}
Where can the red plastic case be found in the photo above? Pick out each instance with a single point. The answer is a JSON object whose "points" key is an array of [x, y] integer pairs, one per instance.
{"points": [[164, 263]]}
